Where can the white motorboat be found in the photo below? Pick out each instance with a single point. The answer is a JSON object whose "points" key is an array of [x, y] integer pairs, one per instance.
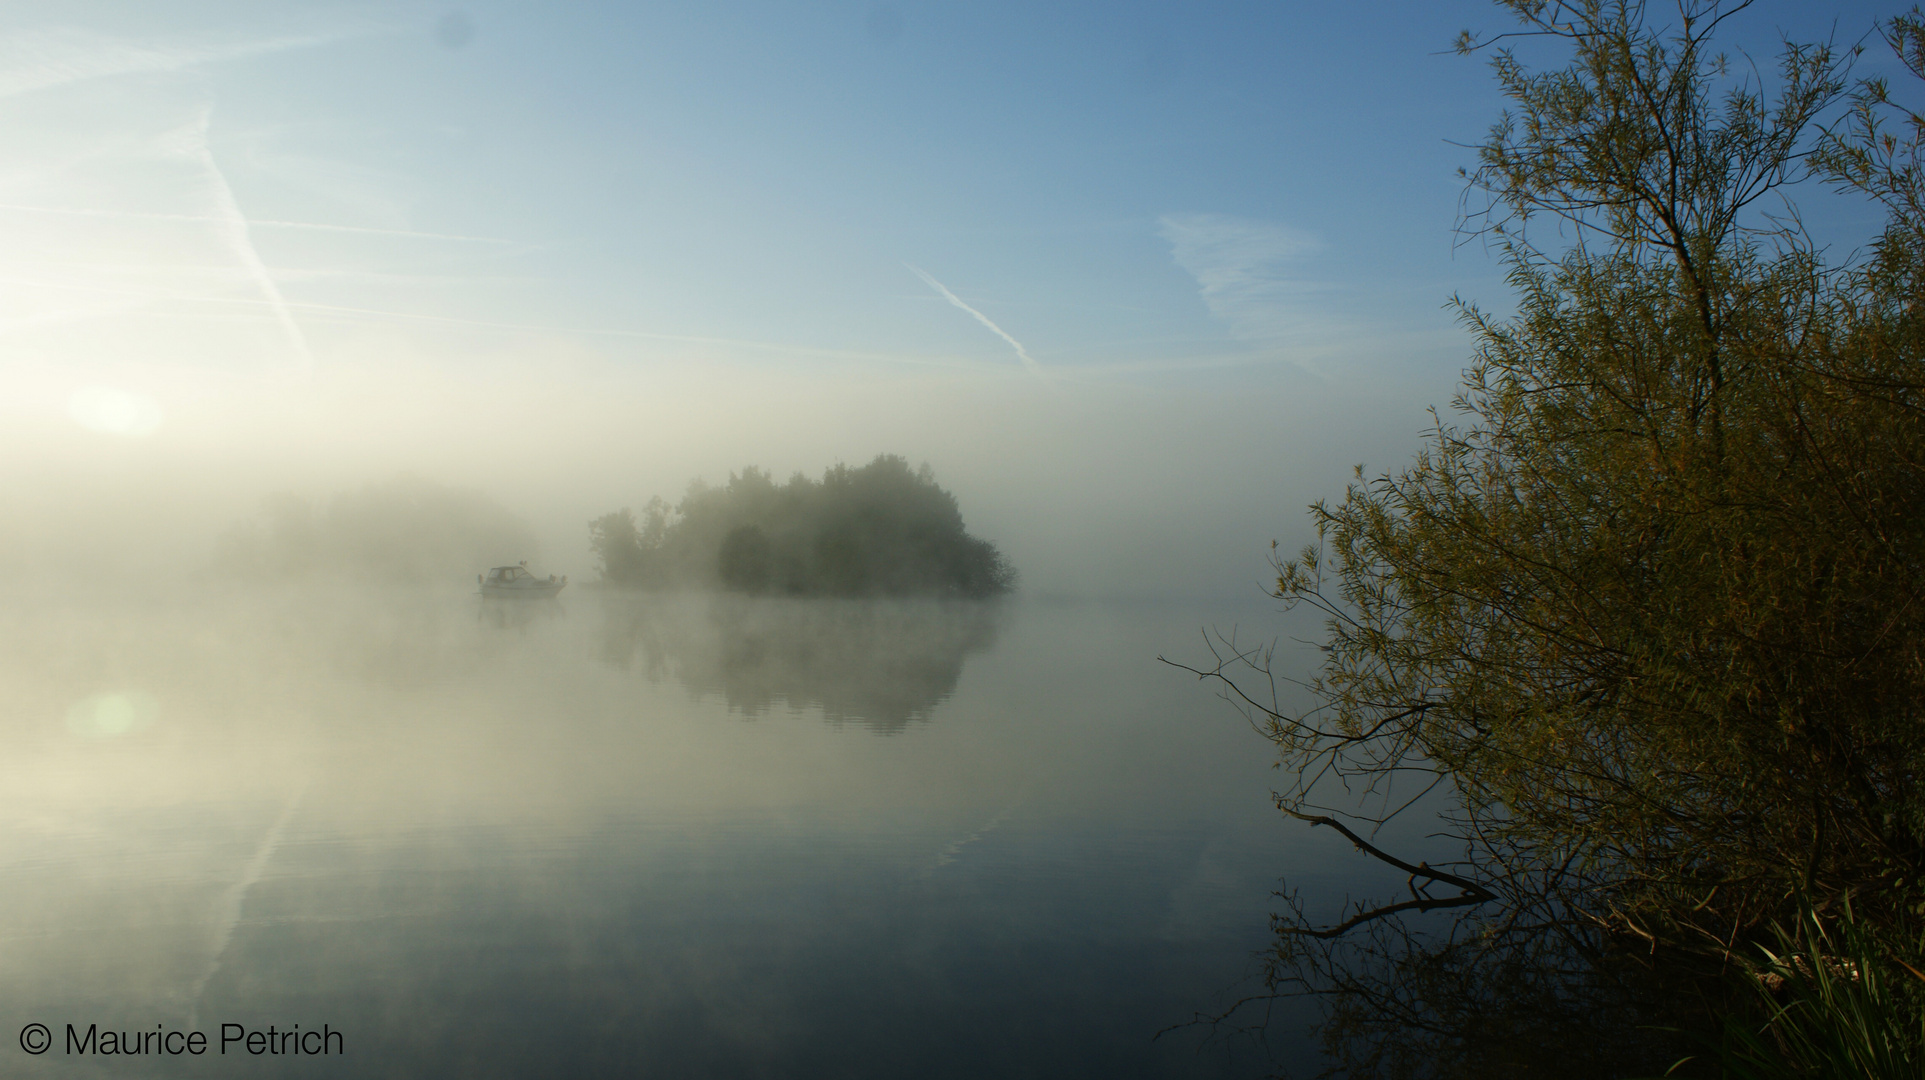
{"points": [[515, 582]]}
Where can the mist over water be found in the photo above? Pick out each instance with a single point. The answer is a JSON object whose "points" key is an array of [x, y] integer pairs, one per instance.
{"points": [[690, 834], [273, 762], [309, 314], [1090, 487]]}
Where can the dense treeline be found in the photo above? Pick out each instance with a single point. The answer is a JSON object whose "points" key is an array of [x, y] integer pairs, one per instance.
{"points": [[882, 529]]}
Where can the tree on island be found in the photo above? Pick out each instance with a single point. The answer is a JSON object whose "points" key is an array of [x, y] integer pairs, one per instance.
{"points": [[882, 529]]}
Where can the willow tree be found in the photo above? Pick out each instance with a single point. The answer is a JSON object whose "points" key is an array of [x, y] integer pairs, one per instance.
{"points": [[1649, 608]]}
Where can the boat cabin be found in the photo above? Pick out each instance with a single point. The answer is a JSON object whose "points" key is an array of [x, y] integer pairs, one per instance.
{"points": [[517, 581]]}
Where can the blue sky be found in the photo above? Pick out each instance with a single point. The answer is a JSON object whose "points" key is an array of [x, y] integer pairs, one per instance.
{"points": [[1032, 243]]}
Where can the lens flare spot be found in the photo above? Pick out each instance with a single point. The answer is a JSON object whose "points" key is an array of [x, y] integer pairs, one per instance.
{"points": [[109, 716], [111, 411]]}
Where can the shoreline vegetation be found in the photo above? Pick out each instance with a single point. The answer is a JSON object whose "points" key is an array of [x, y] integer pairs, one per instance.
{"points": [[881, 529], [1646, 617]]}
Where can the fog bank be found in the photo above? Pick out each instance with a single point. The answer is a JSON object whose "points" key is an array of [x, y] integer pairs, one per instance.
{"points": [[1092, 484]]}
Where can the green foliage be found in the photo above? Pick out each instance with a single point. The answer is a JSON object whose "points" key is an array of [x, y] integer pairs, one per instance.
{"points": [[1647, 613], [1827, 1002], [882, 529], [746, 562], [1651, 612]]}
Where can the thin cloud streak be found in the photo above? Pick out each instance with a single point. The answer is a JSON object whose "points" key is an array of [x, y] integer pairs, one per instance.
{"points": [[233, 227], [1021, 353], [258, 223], [150, 295], [1243, 269], [39, 60]]}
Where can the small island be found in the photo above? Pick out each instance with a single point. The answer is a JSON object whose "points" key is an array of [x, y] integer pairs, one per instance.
{"points": [[881, 529]]}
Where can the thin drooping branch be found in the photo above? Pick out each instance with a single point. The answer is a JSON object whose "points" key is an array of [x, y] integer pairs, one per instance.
{"points": [[1473, 892]]}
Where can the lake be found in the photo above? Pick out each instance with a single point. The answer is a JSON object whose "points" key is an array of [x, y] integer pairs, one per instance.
{"points": [[627, 835]]}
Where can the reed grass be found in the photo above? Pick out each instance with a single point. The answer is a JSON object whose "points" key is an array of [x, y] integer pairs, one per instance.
{"points": [[1829, 1002]]}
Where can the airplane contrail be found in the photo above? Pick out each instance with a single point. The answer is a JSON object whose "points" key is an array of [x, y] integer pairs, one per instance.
{"points": [[1021, 353], [40, 60], [258, 223], [233, 225], [148, 295]]}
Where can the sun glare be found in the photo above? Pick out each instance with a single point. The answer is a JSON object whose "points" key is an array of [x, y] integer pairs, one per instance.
{"points": [[111, 411], [108, 716]]}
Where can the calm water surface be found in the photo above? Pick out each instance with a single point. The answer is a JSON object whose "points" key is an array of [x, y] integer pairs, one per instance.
{"points": [[632, 836]]}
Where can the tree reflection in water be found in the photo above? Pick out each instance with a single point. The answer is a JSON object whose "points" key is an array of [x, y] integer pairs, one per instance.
{"points": [[1513, 987], [880, 663]]}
